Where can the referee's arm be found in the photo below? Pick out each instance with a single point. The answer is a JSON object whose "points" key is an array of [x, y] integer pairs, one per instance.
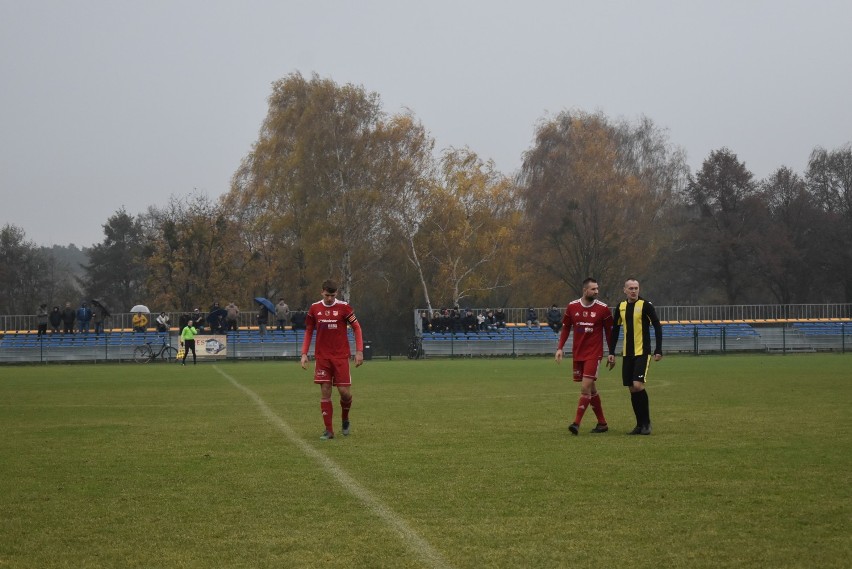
{"points": [[651, 314], [613, 336]]}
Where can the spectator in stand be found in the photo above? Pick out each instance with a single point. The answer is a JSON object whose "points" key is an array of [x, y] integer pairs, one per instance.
{"points": [[469, 321], [233, 317], [183, 320], [490, 320], [500, 318], [282, 314], [425, 323], [139, 322], [456, 321], [68, 319], [55, 319], [41, 320], [480, 321], [197, 318], [297, 320], [84, 318], [163, 322], [262, 319], [554, 318], [217, 324], [98, 317], [441, 321], [532, 318]]}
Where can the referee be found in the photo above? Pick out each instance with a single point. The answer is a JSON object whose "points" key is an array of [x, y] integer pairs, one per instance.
{"points": [[636, 315], [187, 340]]}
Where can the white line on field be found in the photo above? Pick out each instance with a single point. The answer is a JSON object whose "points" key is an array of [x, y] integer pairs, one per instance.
{"points": [[419, 546]]}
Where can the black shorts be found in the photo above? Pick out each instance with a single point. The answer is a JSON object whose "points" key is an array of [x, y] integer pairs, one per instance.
{"points": [[635, 368]]}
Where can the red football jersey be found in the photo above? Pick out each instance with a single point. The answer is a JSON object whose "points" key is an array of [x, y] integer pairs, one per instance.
{"points": [[589, 324], [330, 323]]}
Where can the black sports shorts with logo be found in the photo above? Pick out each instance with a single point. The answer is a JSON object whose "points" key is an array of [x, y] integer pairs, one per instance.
{"points": [[635, 368]]}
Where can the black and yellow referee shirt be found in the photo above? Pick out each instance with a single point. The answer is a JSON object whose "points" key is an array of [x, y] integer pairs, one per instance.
{"points": [[637, 319]]}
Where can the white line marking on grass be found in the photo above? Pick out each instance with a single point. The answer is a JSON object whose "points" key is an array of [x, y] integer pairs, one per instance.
{"points": [[419, 546]]}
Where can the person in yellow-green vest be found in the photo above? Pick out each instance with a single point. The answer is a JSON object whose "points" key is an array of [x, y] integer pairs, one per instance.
{"points": [[187, 340], [637, 315]]}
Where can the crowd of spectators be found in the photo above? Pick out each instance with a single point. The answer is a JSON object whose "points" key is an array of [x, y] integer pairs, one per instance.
{"points": [[470, 320], [68, 320], [217, 320]]}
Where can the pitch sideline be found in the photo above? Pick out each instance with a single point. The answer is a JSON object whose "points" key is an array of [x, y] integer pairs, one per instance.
{"points": [[417, 544]]}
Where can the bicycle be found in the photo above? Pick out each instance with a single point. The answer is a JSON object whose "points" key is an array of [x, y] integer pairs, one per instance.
{"points": [[145, 353]]}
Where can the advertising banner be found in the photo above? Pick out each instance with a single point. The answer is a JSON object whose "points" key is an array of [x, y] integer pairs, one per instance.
{"points": [[211, 346]]}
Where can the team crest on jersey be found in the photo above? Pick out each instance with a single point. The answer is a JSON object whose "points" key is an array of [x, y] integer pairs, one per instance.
{"points": [[594, 314], [334, 313]]}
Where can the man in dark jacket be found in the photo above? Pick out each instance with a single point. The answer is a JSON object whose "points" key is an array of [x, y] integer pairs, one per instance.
{"points": [[554, 318], [55, 319], [469, 321], [68, 317]]}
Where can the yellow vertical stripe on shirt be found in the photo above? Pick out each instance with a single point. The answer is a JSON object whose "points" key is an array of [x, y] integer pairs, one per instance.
{"points": [[638, 342]]}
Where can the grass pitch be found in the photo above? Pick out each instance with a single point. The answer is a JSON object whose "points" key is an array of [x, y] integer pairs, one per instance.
{"points": [[451, 463]]}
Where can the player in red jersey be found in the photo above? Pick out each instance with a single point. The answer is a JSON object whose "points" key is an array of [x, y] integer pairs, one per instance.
{"points": [[590, 319], [330, 317]]}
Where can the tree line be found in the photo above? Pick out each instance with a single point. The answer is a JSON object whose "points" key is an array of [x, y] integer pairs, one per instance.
{"points": [[336, 187]]}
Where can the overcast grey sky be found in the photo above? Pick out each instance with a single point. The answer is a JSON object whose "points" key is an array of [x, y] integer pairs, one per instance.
{"points": [[110, 103]]}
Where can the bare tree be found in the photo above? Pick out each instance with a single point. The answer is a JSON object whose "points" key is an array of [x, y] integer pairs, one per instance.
{"points": [[829, 178], [410, 173], [592, 192], [471, 221]]}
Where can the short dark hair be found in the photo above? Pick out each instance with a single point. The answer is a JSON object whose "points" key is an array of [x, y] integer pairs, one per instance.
{"points": [[589, 280], [329, 285]]}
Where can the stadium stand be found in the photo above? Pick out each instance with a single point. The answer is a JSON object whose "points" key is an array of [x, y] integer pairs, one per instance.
{"points": [[522, 340], [820, 328], [120, 345]]}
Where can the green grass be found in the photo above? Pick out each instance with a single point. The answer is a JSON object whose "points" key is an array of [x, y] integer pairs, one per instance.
{"points": [[162, 466]]}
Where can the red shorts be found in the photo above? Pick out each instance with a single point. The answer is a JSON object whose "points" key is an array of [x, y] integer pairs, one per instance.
{"points": [[588, 368], [334, 371]]}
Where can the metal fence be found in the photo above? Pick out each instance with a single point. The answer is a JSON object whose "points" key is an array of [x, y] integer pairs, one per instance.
{"points": [[124, 321], [756, 313], [696, 329], [749, 313], [121, 346], [694, 339]]}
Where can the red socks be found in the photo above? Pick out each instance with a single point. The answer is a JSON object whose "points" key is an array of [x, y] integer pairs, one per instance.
{"points": [[582, 405], [327, 409], [327, 412], [590, 400], [596, 405]]}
